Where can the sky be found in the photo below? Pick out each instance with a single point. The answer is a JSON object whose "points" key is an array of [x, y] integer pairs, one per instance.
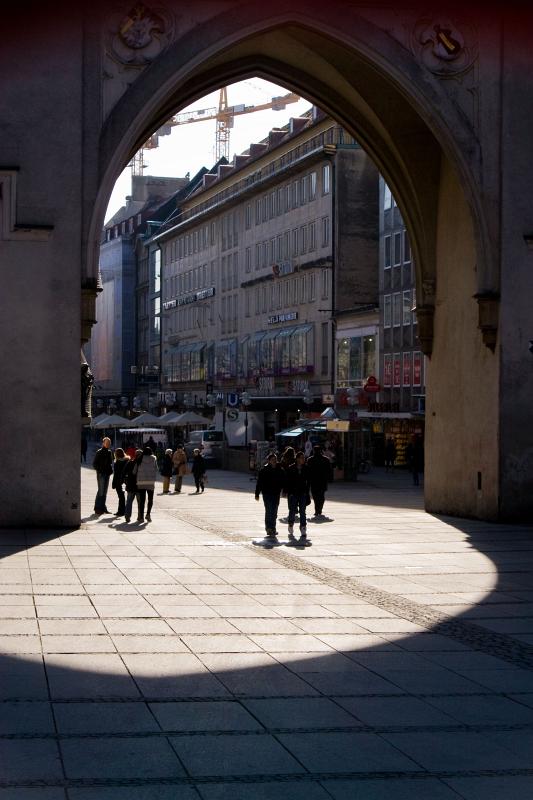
{"points": [[190, 147]]}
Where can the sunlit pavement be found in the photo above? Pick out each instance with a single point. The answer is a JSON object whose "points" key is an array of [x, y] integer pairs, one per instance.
{"points": [[185, 658]]}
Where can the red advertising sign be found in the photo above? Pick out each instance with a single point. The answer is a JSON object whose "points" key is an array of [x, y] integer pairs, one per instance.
{"points": [[387, 369], [417, 369], [396, 369], [371, 384], [406, 369]]}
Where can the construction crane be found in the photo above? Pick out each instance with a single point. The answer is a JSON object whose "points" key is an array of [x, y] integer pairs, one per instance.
{"points": [[224, 116]]}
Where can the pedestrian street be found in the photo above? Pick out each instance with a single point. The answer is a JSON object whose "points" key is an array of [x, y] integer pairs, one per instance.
{"points": [[390, 656]]}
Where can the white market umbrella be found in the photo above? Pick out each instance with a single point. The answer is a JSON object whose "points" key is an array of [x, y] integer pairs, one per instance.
{"points": [[113, 421], [146, 419], [168, 419], [98, 419], [191, 418]]}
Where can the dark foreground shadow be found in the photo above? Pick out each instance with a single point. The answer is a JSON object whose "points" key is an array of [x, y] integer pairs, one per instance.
{"points": [[434, 707]]}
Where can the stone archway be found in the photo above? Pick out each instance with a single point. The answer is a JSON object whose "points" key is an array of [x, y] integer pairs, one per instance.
{"points": [[437, 125], [368, 82]]}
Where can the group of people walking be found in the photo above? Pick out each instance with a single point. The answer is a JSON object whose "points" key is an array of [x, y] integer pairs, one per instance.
{"points": [[298, 478], [134, 475]]}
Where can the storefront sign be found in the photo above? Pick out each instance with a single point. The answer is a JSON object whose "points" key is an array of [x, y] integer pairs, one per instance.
{"points": [[290, 315], [340, 425], [406, 369], [417, 369], [189, 298], [387, 370], [396, 369]]}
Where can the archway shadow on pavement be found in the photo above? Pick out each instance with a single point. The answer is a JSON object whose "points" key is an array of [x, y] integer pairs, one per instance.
{"points": [[389, 699]]}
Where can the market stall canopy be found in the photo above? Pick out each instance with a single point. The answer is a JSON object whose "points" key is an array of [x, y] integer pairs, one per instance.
{"points": [[169, 418], [114, 421], [99, 418], [191, 418], [146, 419]]}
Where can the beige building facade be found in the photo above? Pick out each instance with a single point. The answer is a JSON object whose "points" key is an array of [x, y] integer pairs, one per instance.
{"points": [[248, 273]]}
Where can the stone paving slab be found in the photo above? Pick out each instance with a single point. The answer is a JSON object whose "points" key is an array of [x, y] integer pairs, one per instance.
{"points": [[186, 658]]}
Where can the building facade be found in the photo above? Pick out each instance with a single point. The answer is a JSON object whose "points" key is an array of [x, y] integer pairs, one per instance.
{"points": [[254, 264]]}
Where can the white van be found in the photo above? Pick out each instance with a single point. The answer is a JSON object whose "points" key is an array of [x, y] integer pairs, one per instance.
{"points": [[208, 442]]}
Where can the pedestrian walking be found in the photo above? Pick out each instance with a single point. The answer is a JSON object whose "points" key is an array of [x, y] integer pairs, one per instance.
{"points": [[414, 454], [130, 480], [270, 484], [179, 464], [319, 476], [167, 469], [146, 475], [119, 467], [198, 470], [103, 464], [308, 449], [297, 484], [288, 457], [390, 454]]}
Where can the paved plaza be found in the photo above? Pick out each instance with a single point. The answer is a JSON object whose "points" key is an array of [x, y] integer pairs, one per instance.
{"points": [[184, 658]]}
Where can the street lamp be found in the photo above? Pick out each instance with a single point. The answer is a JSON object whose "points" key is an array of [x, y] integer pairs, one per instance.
{"points": [[245, 401]]}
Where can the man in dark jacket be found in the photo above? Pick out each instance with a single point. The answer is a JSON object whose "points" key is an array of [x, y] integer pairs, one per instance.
{"points": [[297, 486], [103, 464], [319, 475], [270, 483]]}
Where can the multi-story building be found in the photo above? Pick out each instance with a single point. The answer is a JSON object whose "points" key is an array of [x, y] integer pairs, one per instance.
{"points": [[402, 396], [255, 265], [121, 362]]}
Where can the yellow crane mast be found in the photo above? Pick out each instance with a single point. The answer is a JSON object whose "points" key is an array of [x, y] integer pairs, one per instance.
{"points": [[224, 116]]}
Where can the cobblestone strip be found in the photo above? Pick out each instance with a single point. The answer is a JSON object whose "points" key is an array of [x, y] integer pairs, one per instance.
{"points": [[375, 729], [298, 777], [476, 637]]}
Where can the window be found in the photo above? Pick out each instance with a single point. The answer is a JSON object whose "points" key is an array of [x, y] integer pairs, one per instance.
{"points": [[264, 299], [247, 299], [325, 231], [223, 315], [417, 369], [312, 288], [326, 178], [312, 236], [279, 248], [258, 211], [257, 302], [264, 208], [312, 186], [157, 271], [356, 360], [413, 306], [387, 306], [272, 205], [304, 189], [388, 255], [303, 288], [407, 308], [397, 248], [272, 252], [280, 201], [286, 236], [248, 259], [223, 274], [396, 309], [248, 216], [295, 242], [303, 239], [325, 284], [213, 233], [294, 194], [264, 254], [258, 250], [406, 248], [387, 198]]}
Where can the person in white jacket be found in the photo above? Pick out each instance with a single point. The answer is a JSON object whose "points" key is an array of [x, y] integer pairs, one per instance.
{"points": [[146, 475]]}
